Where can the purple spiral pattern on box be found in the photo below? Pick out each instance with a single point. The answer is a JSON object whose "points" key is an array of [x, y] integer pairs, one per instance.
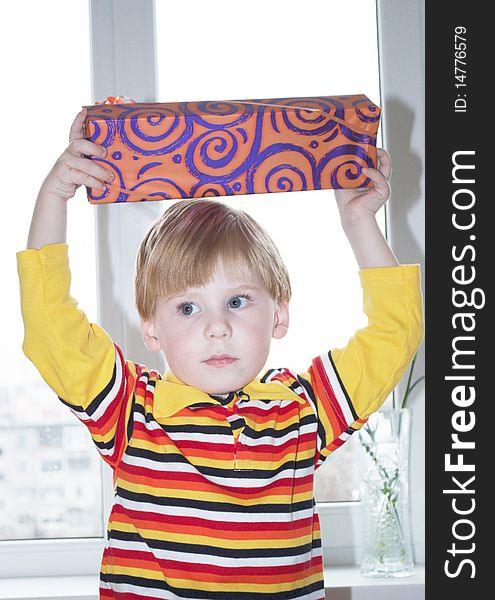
{"points": [[231, 147]]}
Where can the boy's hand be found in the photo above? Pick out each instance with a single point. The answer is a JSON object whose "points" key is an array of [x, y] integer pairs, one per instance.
{"points": [[72, 169], [364, 202]]}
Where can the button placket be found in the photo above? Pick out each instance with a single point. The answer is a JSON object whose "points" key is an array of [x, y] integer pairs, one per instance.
{"points": [[241, 395]]}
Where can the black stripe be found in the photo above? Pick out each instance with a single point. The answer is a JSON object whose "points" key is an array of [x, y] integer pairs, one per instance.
{"points": [[307, 386], [215, 506], [139, 408], [278, 433], [197, 429], [104, 445], [208, 550], [74, 407], [229, 398], [266, 375], [322, 436], [95, 403], [351, 407], [294, 385], [205, 430], [289, 466], [205, 595], [130, 424], [156, 456], [237, 423]]}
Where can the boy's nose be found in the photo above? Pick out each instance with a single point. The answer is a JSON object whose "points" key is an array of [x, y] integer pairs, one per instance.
{"points": [[218, 328]]}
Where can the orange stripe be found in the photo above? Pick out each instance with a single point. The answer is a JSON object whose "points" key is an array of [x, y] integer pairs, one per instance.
{"points": [[221, 534], [285, 489], [203, 576]]}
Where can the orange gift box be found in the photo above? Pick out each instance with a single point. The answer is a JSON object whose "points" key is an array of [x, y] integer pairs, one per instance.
{"points": [[171, 150]]}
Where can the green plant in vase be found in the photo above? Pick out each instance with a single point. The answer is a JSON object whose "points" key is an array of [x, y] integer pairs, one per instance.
{"points": [[387, 549], [409, 386]]}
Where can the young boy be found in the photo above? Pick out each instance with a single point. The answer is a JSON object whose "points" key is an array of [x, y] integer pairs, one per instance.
{"points": [[213, 466]]}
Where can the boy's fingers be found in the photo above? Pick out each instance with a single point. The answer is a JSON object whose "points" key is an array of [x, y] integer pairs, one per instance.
{"points": [[97, 170], [384, 162], [81, 146], [82, 178], [380, 181], [76, 130]]}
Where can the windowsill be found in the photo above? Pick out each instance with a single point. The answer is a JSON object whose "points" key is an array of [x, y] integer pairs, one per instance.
{"points": [[86, 587], [48, 588], [342, 576]]}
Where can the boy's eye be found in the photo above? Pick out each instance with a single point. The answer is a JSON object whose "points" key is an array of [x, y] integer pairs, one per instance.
{"points": [[238, 301], [187, 309]]}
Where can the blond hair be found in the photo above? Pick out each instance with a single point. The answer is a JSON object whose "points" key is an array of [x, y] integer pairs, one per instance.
{"points": [[183, 247]]}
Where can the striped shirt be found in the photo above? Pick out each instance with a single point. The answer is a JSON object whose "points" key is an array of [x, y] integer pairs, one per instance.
{"points": [[214, 494]]}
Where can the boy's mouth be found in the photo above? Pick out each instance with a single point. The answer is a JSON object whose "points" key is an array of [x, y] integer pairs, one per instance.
{"points": [[220, 360]]}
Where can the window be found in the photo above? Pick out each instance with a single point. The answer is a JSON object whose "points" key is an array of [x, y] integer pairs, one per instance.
{"points": [[301, 52], [51, 84], [39, 465]]}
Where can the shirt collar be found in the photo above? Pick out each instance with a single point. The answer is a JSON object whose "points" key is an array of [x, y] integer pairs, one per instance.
{"points": [[172, 395]]}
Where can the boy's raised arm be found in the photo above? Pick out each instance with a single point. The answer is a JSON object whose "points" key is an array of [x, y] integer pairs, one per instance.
{"points": [[77, 359], [349, 383], [49, 221], [358, 210]]}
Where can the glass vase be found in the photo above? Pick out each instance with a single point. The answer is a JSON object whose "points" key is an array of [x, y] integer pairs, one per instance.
{"points": [[385, 509]]}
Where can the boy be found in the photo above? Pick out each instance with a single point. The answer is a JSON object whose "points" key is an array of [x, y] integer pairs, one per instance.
{"points": [[213, 467]]}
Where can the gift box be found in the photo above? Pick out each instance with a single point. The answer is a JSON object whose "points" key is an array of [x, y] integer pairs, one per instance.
{"points": [[215, 148]]}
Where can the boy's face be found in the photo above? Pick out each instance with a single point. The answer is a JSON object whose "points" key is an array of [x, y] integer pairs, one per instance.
{"points": [[217, 337]]}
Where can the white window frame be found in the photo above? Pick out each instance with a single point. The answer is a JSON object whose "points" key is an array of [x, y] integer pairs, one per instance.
{"points": [[124, 61]]}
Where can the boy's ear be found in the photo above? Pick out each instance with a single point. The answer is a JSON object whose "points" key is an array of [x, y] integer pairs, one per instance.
{"points": [[148, 331], [281, 322]]}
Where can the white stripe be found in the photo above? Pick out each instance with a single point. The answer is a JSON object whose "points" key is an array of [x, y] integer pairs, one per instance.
{"points": [[344, 436], [267, 405], [299, 390], [151, 425], [99, 412], [163, 595], [273, 374], [337, 389], [143, 591], [230, 481], [82, 416], [211, 438], [225, 439], [318, 595], [279, 441], [106, 451]]}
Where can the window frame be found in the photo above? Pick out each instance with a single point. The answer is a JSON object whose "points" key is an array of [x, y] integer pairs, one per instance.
{"points": [[131, 69]]}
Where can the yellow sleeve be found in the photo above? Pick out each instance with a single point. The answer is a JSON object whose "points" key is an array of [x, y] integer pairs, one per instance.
{"points": [[77, 359], [348, 384]]}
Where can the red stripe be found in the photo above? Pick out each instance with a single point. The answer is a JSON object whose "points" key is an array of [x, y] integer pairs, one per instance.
{"points": [[198, 478], [326, 385], [121, 433], [112, 407], [195, 567], [288, 379], [111, 595], [216, 524], [158, 435], [258, 448]]}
